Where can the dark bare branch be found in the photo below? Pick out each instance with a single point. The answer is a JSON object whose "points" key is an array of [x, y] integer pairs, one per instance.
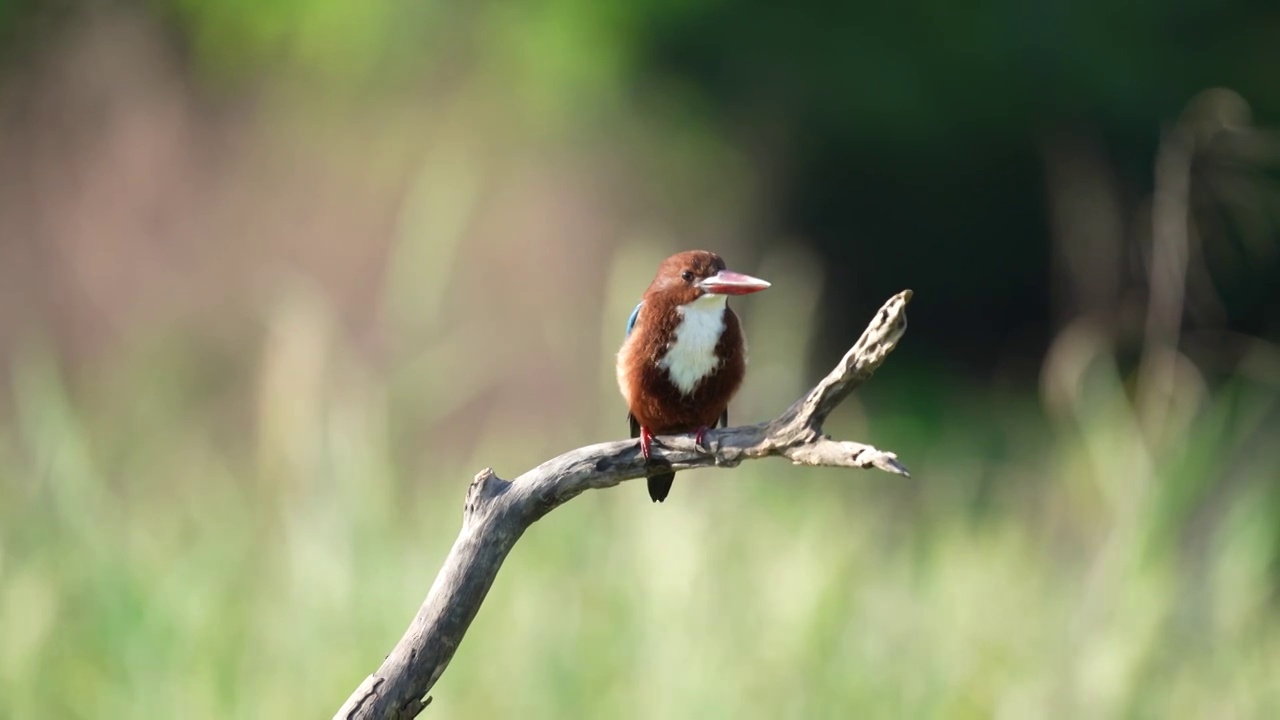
{"points": [[497, 512]]}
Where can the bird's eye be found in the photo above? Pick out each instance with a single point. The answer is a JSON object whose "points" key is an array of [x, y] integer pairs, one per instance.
{"points": [[688, 276]]}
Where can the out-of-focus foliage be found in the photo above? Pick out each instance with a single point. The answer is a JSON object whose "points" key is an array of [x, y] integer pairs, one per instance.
{"points": [[342, 41], [1063, 567], [917, 77], [276, 279], [928, 127]]}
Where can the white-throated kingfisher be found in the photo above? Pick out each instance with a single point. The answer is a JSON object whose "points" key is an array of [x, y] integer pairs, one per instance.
{"points": [[684, 355]]}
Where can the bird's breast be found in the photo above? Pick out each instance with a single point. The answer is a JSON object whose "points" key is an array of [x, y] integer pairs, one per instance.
{"points": [[691, 349]]}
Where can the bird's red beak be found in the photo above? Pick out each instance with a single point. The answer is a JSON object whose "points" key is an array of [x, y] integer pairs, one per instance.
{"points": [[727, 282]]}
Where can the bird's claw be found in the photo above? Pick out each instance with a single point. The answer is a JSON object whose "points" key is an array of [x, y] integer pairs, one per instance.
{"points": [[700, 440], [646, 442]]}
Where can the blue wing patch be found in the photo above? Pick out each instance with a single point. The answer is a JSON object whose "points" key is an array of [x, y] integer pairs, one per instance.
{"points": [[631, 321]]}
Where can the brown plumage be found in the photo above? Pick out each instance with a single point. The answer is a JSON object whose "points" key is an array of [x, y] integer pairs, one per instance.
{"points": [[685, 357]]}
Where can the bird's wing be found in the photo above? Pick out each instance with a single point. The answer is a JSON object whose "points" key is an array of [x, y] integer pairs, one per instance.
{"points": [[729, 317], [631, 321]]}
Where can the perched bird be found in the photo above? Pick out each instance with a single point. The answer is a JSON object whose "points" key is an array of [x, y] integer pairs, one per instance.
{"points": [[684, 355]]}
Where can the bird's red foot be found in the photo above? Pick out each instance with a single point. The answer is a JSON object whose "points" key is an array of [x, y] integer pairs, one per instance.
{"points": [[700, 439], [646, 440]]}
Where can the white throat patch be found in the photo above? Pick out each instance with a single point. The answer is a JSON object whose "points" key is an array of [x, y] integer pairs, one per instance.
{"points": [[692, 354]]}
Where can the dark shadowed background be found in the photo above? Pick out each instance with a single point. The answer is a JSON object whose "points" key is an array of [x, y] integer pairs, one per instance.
{"points": [[277, 278]]}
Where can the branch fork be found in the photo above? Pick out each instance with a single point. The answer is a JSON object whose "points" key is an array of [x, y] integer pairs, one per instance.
{"points": [[497, 512]]}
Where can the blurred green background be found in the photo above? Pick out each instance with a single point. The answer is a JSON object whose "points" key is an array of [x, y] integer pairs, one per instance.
{"points": [[277, 278]]}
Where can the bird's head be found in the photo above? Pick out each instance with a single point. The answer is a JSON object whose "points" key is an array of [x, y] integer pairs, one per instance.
{"points": [[697, 274]]}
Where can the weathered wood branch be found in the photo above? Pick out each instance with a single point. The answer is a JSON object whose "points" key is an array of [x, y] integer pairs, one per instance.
{"points": [[497, 512]]}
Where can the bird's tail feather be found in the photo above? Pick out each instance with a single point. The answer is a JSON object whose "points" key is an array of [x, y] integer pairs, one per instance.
{"points": [[660, 485]]}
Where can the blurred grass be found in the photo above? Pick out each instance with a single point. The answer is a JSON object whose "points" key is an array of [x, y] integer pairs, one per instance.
{"points": [[166, 554]]}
